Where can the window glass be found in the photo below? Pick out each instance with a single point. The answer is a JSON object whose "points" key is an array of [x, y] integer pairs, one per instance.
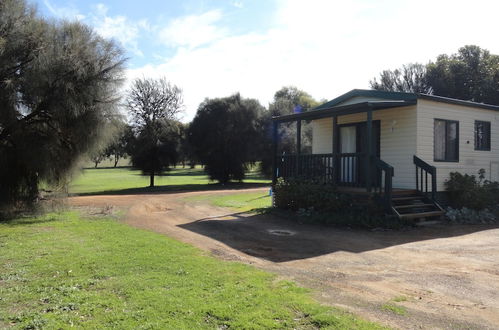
{"points": [[446, 140], [482, 135], [439, 145]]}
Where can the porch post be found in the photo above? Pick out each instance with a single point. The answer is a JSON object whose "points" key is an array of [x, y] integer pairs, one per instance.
{"points": [[335, 147], [274, 152], [369, 152], [298, 146]]}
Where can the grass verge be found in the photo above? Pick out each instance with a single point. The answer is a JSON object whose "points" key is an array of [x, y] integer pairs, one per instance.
{"points": [[61, 271], [242, 202], [396, 309], [128, 180]]}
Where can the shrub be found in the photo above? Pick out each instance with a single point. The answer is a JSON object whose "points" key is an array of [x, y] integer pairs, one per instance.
{"points": [[468, 191], [469, 216], [320, 203], [296, 194]]}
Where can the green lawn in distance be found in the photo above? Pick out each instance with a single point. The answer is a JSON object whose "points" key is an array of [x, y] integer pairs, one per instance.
{"points": [[100, 180], [241, 202], [60, 271]]}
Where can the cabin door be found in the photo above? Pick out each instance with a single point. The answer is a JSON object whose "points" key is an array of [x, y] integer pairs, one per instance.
{"points": [[353, 139], [348, 145]]}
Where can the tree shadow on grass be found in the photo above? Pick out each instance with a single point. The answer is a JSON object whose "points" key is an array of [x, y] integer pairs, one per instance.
{"points": [[23, 220], [278, 239], [171, 189]]}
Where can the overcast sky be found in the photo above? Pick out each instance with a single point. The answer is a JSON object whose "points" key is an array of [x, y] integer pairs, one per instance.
{"points": [[216, 48]]}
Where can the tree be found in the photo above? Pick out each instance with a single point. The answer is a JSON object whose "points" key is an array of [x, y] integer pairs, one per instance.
{"points": [[156, 149], [97, 157], [186, 151], [223, 134], [153, 105], [470, 74], [118, 149], [287, 100], [411, 78], [59, 83]]}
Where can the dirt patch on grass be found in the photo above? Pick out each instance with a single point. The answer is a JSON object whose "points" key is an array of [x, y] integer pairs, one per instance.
{"points": [[448, 275]]}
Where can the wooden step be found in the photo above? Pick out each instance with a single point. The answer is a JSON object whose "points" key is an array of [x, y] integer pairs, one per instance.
{"points": [[402, 192], [413, 206], [395, 199], [421, 215]]}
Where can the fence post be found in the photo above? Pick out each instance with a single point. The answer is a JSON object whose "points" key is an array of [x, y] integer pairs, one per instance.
{"points": [[274, 152], [434, 184], [369, 160], [298, 147], [335, 147]]}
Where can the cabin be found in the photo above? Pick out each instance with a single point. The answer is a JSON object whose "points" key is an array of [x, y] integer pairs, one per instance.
{"points": [[400, 146]]}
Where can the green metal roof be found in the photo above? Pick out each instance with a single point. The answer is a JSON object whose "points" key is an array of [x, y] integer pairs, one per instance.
{"points": [[344, 110], [400, 96], [386, 100]]}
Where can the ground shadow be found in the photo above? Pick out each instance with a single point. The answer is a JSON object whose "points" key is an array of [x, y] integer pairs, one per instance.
{"points": [[171, 189], [277, 239], [24, 220]]}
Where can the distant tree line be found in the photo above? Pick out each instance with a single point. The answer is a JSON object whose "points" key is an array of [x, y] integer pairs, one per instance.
{"points": [[470, 74], [227, 135]]}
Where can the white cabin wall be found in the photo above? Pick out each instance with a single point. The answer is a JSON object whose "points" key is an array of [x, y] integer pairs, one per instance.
{"points": [[397, 145], [470, 160]]}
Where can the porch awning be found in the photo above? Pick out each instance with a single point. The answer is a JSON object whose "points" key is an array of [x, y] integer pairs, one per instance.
{"points": [[343, 110]]}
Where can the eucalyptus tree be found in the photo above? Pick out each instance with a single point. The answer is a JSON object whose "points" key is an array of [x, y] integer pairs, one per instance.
{"points": [[470, 74], [411, 78], [59, 83], [224, 135], [154, 104]]}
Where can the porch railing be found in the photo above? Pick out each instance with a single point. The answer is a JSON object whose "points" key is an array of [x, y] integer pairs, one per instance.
{"points": [[312, 167], [345, 169], [423, 169]]}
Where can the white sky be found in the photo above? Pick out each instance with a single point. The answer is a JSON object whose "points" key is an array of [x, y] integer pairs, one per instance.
{"points": [[323, 47]]}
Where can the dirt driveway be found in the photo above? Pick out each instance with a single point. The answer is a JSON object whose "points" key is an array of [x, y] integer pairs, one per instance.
{"points": [[438, 277]]}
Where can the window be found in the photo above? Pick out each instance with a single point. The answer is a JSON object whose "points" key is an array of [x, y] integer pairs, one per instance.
{"points": [[482, 135], [446, 140]]}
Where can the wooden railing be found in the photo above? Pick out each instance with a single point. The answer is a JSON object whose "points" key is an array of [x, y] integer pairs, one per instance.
{"points": [[312, 167], [350, 169], [383, 181], [342, 169], [423, 169]]}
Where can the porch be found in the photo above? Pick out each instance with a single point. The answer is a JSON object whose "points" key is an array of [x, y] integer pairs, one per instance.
{"points": [[354, 163]]}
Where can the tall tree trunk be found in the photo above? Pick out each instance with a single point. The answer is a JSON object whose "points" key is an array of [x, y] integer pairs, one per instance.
{"points": [[116, 160], [151, 179]]}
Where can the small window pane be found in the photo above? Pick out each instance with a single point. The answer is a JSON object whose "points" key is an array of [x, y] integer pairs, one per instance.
{"points": [[482, 135], [451, 141], [446, 140], [439, 140]]}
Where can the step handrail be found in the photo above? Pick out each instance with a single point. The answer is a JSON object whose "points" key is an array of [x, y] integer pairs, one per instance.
{"points": [[388, 186], [425, 169]]}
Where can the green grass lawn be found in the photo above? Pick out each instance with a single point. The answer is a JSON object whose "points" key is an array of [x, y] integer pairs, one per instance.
{"points": [[240, 202], [127, 180], [61, 270]]}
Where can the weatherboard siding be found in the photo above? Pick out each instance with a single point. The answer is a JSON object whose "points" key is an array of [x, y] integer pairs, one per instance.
{"points": [[397, 145], [470, 160]]}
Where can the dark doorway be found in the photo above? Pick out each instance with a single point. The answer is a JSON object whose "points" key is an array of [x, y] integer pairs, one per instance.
{"points": [[353, 139]]}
